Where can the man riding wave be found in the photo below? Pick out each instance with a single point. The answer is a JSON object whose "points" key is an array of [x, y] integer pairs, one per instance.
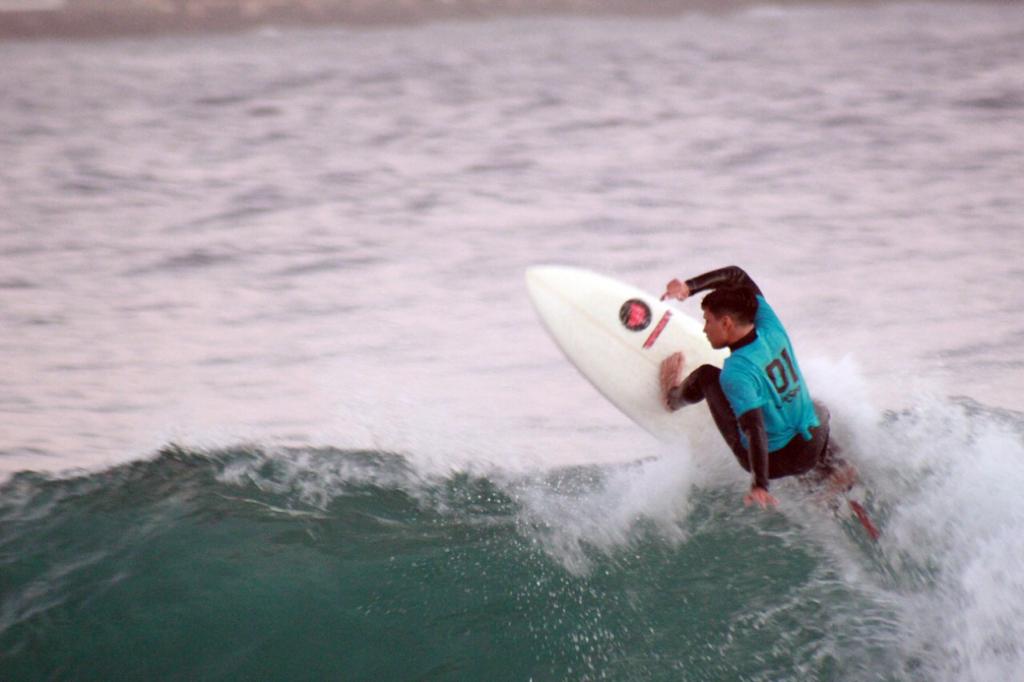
{"points": [[758, 399]]}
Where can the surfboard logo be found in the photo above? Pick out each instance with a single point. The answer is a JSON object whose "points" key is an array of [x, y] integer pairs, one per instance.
{"points": [[635, 315]]}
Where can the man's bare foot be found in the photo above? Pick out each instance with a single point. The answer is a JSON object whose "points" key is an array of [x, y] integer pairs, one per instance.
{"points": [[841, 479], [828, 482]]}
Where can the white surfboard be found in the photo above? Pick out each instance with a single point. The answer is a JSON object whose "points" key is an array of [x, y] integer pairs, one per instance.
{"points": [[617, 336]]}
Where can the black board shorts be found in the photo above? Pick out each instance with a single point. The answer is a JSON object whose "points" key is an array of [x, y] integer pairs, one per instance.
{"points": [[800, 456]]}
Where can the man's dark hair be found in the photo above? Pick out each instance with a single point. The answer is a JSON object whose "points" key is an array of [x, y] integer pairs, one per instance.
{"points": [[740, 303]]}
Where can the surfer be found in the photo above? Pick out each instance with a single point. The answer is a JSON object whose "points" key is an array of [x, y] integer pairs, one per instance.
{"points": [[758, 399]]}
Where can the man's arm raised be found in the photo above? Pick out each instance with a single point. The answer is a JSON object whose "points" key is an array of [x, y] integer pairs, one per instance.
{"points": [[731, 276]]}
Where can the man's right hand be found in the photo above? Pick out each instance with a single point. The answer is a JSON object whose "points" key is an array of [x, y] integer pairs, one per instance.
{"points": [[760, 497], [677, 290], [671, 368]]}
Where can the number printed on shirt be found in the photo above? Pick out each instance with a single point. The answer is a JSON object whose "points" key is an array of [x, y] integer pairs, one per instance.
{"points": [[783, 375]]}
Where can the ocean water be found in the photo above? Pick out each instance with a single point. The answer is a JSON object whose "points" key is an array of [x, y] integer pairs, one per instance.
{"points": [[274, 404]]}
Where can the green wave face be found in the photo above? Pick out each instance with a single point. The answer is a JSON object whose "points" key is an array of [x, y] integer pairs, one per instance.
{"points": [[327, 564]]}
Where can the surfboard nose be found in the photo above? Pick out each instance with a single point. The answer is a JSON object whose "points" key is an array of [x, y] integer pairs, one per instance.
{"points": [[535, 277], [536, 273], [540, 278]]}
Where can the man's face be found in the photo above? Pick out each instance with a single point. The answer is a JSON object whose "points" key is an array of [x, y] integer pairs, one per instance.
{"points": [[717, 329]]}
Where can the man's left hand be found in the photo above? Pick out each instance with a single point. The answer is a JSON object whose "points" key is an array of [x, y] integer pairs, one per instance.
{"points": [[761, 497], [668, 375]]}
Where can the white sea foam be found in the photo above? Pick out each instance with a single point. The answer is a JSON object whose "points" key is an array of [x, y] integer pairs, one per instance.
{"points": [[608, 514], [945, 479], [956, 519]]}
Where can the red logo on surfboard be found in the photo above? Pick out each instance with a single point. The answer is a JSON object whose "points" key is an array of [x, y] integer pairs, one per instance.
{"points": [[635, 315], [657, 330]]}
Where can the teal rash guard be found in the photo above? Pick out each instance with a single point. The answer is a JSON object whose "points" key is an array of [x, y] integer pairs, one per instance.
{"points": [[763, 373]]}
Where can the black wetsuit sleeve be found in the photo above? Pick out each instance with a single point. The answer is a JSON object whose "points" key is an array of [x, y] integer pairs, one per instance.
{"points": [[752, 424], [693, 388], [731, 276]]}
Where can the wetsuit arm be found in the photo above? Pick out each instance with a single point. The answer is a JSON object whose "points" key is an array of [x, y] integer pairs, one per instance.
{"points": [[732, 276], [752, 424], [674, 398]]}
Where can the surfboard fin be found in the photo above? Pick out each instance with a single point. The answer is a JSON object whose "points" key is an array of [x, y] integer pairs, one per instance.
{"points": [[865, 520]]}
